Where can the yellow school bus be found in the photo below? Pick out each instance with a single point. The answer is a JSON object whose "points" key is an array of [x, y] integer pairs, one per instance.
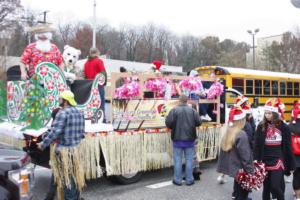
{"points": [[257, 85]]}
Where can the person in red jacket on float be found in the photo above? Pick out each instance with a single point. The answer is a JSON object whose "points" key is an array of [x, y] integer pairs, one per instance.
{"points": [[93, 66]]}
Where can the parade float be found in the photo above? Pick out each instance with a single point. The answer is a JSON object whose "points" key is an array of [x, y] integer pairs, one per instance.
{"points": [[134, 139]]}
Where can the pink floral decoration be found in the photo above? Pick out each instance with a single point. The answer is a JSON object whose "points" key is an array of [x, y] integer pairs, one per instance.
{"points": [[128, 90], [215, 90], [96, 102], [61, 87], [51, 98], [44, 70], [55, 75], [190, 84], [157, 86], [10, 92], [95, 91], [50, 85]]}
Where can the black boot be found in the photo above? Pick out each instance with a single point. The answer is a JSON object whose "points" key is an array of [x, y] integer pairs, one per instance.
{"points": [[196, 174]]}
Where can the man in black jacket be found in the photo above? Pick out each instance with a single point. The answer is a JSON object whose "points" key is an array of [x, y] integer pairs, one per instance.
{"points": [[183, 120]]}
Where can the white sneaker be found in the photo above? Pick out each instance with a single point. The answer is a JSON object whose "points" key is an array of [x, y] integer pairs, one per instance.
{"points": [[221, 179], [206, 118]]}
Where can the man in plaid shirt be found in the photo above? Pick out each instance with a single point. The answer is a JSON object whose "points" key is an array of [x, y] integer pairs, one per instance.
{"points": [[68, 126], [68, 130]]}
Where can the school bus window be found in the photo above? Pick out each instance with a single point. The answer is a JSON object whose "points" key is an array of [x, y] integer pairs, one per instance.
{"points": [[296, 89], [238, 84], [258, 87], [274, 87], [266, 87], [249, 86], [282, 88], [289, 88]]}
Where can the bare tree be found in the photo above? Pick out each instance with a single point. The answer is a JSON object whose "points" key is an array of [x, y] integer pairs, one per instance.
{"points": [[82, 39], [147, 42], [10, 13], [66, 32], [132, 39]]}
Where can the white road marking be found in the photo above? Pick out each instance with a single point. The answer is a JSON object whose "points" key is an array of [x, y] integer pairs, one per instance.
{"points": [[38, 168], [160, 185]]}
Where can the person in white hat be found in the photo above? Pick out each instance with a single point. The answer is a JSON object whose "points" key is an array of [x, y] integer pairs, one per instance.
{"points": [[40, 51], [235, 151], [273, 147]]}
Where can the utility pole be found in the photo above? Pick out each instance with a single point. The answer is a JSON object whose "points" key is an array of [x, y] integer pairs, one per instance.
{"points": [[94, 25], [253, 43]]}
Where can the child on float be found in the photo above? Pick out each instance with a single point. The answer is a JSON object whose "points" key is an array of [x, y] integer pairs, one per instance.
{"points": [[235, 153], [295, 131], [200, 94], [273, 147]]}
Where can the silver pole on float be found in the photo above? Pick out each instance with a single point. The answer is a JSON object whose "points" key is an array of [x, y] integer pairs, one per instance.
{"points": [[94, 25]]}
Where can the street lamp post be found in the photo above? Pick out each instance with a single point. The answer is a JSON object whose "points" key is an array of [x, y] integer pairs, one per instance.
{"points": [[94, 24], [253, 43]]}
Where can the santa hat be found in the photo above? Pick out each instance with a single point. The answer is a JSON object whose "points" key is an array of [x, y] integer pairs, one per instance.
{"points": [[296, 111], [240, 100], [275, 105], [156, 64], [236, 113], [244, 103], [247, 108]]}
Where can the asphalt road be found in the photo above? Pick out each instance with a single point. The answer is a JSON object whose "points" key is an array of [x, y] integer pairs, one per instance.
{"points": [[154, 185]]}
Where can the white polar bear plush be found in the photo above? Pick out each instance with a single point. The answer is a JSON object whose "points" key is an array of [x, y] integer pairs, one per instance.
{"points": [[71, 56]]}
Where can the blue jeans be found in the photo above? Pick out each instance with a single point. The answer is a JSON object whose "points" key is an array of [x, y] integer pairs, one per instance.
{"points": [[102, 97], [177, 158], [71, 193]]}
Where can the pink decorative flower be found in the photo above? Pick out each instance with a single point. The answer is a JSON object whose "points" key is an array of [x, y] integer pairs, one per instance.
{"points": [[51, 97], [128, 90], [215, 90], [95, 91], [89, 106], [156, 85], [96, 102], [44, 70], [89, 114], [10, 92], [61, 87], [55, 75], [191, 84], [50, 85]]}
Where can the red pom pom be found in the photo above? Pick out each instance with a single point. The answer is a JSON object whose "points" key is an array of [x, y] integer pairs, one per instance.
{"points": [[252, 181]]}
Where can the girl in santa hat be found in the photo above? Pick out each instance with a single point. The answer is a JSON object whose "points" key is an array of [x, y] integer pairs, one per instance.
{"points": [[235, 151], [295, 131], [249, 127], [273, 147]]}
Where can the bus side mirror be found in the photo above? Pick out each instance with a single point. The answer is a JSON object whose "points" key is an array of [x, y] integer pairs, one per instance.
{"points": [[255, 102]]}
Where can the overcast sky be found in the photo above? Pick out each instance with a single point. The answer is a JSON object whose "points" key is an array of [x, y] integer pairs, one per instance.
{"points": [[223, 18]]}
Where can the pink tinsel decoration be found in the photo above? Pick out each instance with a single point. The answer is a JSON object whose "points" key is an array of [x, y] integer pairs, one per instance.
{"points": [[215, 90], [252, 181], [157, 86], [191, 84], [128, 90]]}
